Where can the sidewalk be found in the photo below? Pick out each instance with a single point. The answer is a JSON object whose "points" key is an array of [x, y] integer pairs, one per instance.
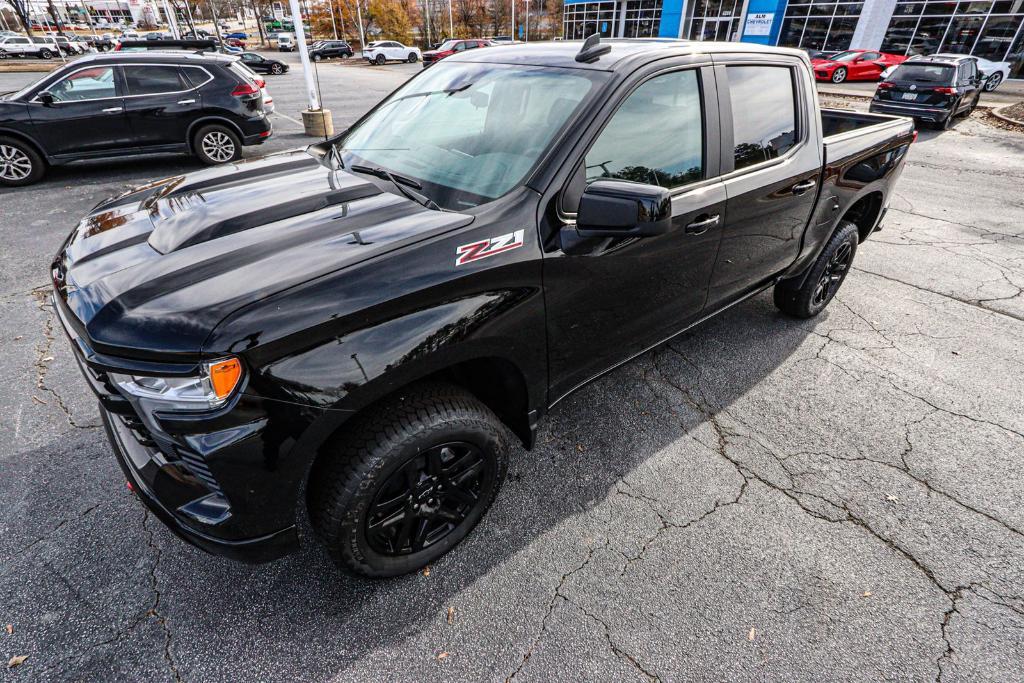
{"points": [[1007, 93]]}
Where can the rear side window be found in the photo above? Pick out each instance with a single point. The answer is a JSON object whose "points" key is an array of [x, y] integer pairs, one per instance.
{"points": [[763, 113], [153, 80], [627, 150]]}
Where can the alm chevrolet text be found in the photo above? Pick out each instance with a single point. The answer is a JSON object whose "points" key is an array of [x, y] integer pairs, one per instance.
{"points": [[360, 330]]}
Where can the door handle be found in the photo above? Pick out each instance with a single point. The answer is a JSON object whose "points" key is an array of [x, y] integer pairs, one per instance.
{"points": [[801, 188], [700, 227], [112, 110], [186, 101]]}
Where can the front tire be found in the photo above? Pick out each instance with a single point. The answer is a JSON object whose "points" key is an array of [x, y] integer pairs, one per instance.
{"points": [[20, 164], [317, 58], [380, 60], [216, 145], [45, 54], [408, 480], [839, 75], [824, 279]]}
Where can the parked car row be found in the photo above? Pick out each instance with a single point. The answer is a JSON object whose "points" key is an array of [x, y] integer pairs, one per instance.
{"points": [[42, 47]]}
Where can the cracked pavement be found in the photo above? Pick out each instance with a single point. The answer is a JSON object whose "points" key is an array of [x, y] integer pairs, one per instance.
{"points": [[760, 498]]}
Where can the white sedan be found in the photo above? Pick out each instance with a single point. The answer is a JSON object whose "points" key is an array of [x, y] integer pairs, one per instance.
{"points": [[994, 73], [390, 51]]}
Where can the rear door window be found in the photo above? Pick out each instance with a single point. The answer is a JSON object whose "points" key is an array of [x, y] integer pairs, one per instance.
{"points": [[763, 113], [154, 80]]}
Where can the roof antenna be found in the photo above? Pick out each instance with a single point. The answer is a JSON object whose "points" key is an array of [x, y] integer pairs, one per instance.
{"points": [[592, 49]]}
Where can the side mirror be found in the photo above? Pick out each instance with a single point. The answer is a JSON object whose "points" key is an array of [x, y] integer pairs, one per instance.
{"points": [[46, 97], [615, 208]]}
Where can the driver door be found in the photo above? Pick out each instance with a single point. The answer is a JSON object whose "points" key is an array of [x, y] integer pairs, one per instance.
{"points": [[866, 68], [628, 294], [87, 116]]}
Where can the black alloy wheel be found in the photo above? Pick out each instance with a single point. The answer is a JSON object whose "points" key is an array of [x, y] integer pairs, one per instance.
{"points": [[428, 498], [806, 295], [380, 60], [832, 276]]}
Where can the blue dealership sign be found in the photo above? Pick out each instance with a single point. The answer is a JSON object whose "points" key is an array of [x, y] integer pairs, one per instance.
{"points": [[763, 21]]}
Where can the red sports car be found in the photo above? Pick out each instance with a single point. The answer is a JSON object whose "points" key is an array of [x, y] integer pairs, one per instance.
{"points": [[450, 47], [855, 65]]}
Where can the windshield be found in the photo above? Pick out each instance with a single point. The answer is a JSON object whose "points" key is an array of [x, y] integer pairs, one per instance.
{"points": [[447, 45], [469, 132], [844, 56], [924, 73]]}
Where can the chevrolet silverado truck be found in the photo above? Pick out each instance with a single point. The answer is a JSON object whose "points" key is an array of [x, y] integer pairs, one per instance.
{"points": [[359, 332]]}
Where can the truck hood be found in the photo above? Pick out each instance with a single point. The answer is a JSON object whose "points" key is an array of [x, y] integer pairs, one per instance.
{"points": [[150, 273]]}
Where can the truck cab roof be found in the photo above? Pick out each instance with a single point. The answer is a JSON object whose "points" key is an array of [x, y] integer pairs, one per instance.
{"points": [[624, 52]]}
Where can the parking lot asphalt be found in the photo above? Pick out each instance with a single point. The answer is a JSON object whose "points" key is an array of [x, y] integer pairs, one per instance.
{"points": [[759, 499]]}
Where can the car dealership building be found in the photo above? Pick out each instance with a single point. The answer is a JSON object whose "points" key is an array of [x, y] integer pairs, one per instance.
{"points": [[992, 29]]}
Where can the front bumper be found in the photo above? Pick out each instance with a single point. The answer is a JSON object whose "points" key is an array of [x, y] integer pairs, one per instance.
{"points": [[228, 481], [143, 471], [936, 114]]}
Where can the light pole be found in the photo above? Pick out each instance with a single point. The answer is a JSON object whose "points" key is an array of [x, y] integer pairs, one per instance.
{"points": [[359, 18], [334, 27], [513, 20], [451, 24]]}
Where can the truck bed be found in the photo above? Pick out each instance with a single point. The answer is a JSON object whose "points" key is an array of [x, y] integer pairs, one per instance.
{"points": [[850, 135]]}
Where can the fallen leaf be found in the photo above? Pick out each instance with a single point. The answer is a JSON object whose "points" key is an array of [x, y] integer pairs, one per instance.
{"points": [[579, 447], [48, 359], [956, 353], [866, 594], [39, 400], [451, 615], [17, 660], [750, 636], [21, 336], [443, 656], [10, 629], [426, 570], [892, 499]]}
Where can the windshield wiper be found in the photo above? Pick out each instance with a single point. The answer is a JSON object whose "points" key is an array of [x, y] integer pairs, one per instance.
{"points": [[427, 93], [401, 183]]}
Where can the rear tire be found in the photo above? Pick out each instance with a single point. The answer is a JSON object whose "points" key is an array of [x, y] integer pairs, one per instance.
{"points": [[276, 69], [20, 164], [993, 82], [412, 59], [825, 278], [839, 75], [407, 481], [216, 144]]}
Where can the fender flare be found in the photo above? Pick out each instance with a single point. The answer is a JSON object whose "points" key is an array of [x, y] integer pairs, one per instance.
{"points": [[206, 120]]}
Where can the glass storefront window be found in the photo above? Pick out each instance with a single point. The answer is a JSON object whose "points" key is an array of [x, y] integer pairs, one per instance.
{"points": [[829, 25], [713, 20], [991, 29]]}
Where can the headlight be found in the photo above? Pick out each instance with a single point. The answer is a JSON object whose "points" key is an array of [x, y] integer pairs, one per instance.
{"points": [[210, 389]]}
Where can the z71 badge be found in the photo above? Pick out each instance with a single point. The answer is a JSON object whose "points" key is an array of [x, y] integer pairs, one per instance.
{"points": [[489, 247]]}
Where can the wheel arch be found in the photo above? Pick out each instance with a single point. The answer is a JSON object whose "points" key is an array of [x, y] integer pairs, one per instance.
{"points": [[18, 135], [208, 120], [863, 213]]}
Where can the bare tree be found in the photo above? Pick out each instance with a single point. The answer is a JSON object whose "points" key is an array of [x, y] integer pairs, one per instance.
{"points": [[21, 8]]}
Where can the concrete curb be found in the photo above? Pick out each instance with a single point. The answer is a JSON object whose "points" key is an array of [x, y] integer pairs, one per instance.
{"points": [[9, 66], [997, 112]]}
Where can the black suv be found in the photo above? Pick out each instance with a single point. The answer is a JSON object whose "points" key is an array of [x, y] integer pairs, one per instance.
{"points": [[125, 104], [933, 89], [329, 49]]}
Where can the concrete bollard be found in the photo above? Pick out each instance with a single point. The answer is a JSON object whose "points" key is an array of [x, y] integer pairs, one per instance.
{"points": [[318, 123]]}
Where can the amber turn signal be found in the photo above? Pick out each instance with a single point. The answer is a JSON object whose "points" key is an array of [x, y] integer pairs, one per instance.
{"points": [[224, 376]]}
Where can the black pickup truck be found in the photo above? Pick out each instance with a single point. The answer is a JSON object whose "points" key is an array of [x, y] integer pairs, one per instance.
{"points": [[360, 330]]}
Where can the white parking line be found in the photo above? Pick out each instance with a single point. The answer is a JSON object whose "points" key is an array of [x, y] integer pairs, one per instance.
{"points": [[285, 116]]}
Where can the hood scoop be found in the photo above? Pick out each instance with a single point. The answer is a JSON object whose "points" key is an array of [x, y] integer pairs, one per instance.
{"points": [[197, 216]]}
